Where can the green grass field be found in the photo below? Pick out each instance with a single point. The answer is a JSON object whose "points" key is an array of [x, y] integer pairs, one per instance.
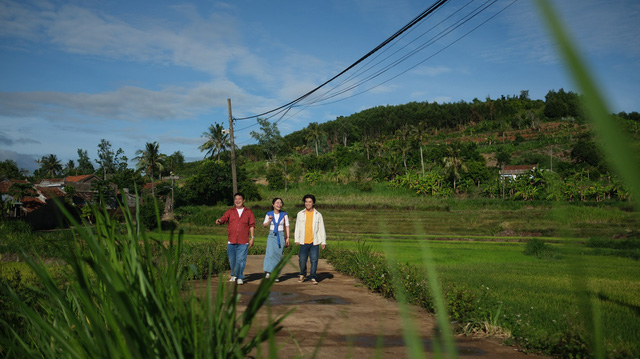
{"points": [[539, 299], [479, 245]]}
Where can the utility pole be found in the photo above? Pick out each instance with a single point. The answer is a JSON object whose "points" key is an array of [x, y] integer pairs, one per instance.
{"points": [[233, 151]]}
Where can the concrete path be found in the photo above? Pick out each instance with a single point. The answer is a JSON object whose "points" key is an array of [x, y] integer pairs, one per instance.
{"points": [[341, 318]]}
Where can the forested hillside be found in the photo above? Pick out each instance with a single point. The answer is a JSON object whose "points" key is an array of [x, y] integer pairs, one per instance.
{"points": [[442, 150], [450, 148]]}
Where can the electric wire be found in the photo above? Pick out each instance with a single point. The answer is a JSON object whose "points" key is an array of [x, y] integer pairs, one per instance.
{"points": [[366, 72], [441, 35], [430, 42], [425, 13]]}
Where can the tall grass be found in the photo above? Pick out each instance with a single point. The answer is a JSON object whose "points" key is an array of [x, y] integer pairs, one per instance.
{"points": [[617, 147], [122, 302]]}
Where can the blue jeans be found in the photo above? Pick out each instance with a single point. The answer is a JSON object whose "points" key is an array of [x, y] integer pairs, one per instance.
{"points": [[237, 254], [311, 252]]}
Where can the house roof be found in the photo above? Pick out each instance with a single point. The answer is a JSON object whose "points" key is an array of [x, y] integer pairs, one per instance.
{"points": [[5, 184], [517, 169], [51, 192], [81, 178], [49, 181], [31, 204], [520, 167]]}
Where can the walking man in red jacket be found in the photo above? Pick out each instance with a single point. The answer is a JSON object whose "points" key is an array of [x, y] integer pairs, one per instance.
{"points": [[240, 232]]}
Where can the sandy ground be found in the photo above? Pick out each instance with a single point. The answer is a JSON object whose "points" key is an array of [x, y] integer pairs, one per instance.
{"points": [[356, 323]]}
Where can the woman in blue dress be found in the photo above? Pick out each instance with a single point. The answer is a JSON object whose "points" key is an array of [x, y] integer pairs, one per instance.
{"points": [[278, 239]]}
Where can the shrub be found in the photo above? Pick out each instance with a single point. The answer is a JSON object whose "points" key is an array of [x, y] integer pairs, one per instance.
{"points": [[372, 269], [538, 248], [275, 177]]}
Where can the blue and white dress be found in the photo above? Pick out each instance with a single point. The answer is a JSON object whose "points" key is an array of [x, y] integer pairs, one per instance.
{"points": [[275, 240]]}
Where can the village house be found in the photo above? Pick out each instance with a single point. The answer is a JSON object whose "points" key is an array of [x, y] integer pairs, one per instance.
{"points": [[514, 171], [38, 207]]}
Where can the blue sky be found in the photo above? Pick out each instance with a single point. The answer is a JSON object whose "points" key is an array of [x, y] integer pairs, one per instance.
{"points": [[75, 72]]}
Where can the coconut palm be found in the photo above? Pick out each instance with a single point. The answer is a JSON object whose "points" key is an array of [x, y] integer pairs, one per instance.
{"points": [[51, 165], [313, 135], [70, 168], [419, 135], [149, 159], [402, 135], [217, 141], [453, 163]]}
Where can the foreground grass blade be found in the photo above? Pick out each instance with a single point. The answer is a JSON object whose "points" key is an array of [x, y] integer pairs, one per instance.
{"points": [[616, 144], [126, 298]]}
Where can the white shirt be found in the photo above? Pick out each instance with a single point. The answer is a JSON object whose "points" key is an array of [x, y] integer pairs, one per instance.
{"points": [[283, 223]]}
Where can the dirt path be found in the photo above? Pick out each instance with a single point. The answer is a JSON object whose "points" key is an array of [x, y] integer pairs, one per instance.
{"points": [[357, 323]]}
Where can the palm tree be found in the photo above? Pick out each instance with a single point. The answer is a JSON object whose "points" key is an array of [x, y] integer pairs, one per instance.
{"points": [[51, 165], [217, 141], [149, 159], [313, 134], [70, 168], [453, 163], [419, 135], [403, 143]]}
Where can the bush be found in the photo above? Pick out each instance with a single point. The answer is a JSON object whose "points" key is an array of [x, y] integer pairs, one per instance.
{"points": [[204, 258], [148, 212], [538, 248], [372, 269], [275, 177]]}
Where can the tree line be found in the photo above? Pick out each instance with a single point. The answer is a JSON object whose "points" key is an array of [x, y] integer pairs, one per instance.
{"points": [[445, 147]]}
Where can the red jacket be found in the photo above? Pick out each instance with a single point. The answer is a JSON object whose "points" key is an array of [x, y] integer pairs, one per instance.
{"points": [[238, 229]]}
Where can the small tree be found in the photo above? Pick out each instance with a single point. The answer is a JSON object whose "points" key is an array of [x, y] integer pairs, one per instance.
{"points": [[85, 167], [268, 138]]}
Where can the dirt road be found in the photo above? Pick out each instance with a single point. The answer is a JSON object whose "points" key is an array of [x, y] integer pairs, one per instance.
{"points": [[356, 322]]}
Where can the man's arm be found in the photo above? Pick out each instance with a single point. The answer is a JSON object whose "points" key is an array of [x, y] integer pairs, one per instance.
{"points": [[223, 219]]}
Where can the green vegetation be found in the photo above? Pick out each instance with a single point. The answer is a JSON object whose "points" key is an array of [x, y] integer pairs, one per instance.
{"points": [[548, 260], [494, 288], [475, 244], [124, 296]]}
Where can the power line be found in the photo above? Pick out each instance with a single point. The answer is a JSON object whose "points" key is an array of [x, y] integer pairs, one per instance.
{"points": [[416, 20], [441, 35], [373, 69]]}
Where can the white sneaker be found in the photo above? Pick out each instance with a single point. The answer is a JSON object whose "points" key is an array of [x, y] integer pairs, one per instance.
{"points": [[267, 275], [232, 279], [240, 282]]}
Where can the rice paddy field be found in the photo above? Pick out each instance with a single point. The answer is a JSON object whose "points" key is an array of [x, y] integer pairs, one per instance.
{"points": [[479, 245]]}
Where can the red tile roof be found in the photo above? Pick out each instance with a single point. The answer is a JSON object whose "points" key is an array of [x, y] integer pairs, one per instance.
{"points": [[80, 178], [519, 168], [5, 184]]}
